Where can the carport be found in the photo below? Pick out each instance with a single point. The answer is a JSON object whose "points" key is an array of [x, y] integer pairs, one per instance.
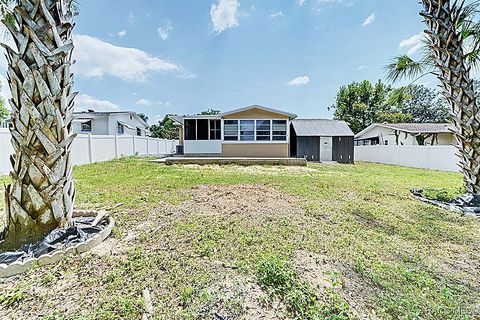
{"points": [[322, 140]]}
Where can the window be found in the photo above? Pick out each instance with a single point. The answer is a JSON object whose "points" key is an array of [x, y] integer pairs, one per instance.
{"points": [[139, 132], [191, 129], [202, 129], [120, 128], [247, 130], [87, 126], [263, 130], [215, 129], [230, 130], [279, 128]]}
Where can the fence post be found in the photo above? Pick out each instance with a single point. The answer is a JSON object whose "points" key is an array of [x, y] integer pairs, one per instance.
{"points": [[90, 158], [166, 147], [158, 146], [148, 147], [134, 145], [116, 146]]}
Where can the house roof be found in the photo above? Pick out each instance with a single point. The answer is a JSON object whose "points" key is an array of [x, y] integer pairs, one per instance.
{"points": [[321, 127], [290, 115], [412, 127]]}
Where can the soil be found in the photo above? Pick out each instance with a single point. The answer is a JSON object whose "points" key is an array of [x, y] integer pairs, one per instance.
{"points": [[245, 200], [319, 272]]}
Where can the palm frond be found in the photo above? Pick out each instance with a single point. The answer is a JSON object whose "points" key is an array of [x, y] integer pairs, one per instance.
{"points": [[404, 67]]}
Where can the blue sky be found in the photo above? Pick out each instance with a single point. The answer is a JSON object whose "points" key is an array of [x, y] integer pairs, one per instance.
{"points": [[183, 56]]}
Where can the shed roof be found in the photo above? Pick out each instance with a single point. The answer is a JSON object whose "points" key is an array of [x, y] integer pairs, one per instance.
{"points": [[321, 128]]}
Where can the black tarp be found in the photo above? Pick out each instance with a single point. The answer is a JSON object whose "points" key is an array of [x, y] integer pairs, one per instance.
{"points": [[81, 231]]}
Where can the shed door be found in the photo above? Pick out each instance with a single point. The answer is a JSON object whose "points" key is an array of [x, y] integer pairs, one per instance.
{"points": [[326, 148], [308, 148]]}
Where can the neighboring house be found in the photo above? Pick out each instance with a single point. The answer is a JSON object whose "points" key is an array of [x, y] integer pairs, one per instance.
{"points": [[254, 131], [406, 134], [6, 123], [110, 123]]}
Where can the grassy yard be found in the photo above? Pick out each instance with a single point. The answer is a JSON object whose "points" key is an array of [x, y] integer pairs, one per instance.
{"points": [[323, 242]]}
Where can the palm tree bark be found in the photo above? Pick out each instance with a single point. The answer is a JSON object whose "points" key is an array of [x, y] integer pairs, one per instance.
{"points": [[41, 195], [446, 43]]}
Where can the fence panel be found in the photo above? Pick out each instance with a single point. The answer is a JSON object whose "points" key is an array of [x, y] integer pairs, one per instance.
{"points": [[426, 157], [95, 148]]}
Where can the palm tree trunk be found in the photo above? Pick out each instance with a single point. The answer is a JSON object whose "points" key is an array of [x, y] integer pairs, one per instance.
{"points": [[446, 42], [41, 195]]}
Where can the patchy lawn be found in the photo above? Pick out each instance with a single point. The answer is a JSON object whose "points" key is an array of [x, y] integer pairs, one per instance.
{"points": [[322, 242]]}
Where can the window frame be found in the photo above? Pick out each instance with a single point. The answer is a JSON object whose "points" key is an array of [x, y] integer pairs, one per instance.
{"points": [[120, 126], [84, 123], [263, 136]]}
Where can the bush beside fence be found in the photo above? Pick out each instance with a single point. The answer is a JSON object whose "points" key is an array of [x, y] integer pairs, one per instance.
{"points": [[97, 148], [426, 157]]}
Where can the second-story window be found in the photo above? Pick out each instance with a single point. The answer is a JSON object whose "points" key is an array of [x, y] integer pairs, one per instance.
{"points": [[139, 132]]}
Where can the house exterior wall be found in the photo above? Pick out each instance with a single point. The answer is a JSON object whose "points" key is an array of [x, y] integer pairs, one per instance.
{"points": [[257, 150], [129, 119], [202, 147], [99, 124]]}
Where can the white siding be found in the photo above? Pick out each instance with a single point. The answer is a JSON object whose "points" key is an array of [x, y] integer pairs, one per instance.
{"points": [[203, 147]]}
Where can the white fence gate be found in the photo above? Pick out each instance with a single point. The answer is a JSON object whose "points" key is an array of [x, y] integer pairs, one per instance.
{"points": [[427, 157], [95, 148]]}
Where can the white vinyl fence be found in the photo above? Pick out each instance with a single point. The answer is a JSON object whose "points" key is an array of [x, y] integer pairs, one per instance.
{"points": [[426, 157], [95, 148]]}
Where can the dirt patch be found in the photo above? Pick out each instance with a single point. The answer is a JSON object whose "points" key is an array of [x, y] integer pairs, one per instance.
{"points": [[321, 273], [238, 199], [237, 297]]}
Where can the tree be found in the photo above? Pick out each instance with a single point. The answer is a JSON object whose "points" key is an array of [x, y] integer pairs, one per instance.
{"points": [[424, 105], [143, 116], [452, 48], [4, 113], [165, 129], [41, 195], [361, 103]]}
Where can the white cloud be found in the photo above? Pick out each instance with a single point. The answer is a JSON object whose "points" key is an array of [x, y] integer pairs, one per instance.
{"points": [[96, 58], [413, 44], [84, 102], [299, 81], [370, 19], [144, 103], [361, 67], [164, 31], [301, 2], [224, 15], [276, 14], [122, 33]]}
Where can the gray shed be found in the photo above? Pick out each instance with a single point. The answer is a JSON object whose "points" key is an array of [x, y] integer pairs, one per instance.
{"points": [[322, 140]]}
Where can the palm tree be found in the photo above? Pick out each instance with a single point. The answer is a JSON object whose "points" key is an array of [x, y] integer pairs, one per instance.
{"points": [[452, 49], [41, 195]]}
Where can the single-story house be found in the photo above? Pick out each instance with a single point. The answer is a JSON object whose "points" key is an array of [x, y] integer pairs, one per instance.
{"points": [[110, 123], [255, 132], [406, 134]]}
